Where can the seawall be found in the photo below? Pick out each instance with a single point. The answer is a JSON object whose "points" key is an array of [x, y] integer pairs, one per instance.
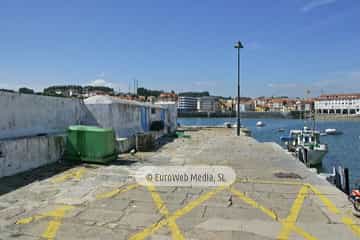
{"points": [[33, 128], [335, 117], [282, 115]]}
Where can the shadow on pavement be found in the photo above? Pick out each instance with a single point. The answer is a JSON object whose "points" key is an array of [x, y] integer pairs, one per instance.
{"points": [[11, 183]]}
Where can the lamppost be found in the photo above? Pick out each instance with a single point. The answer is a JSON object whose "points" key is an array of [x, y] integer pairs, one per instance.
{"points": [[238, 46]]}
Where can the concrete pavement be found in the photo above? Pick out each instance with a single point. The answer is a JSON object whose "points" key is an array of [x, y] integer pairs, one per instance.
{"points": [[104, 202]]}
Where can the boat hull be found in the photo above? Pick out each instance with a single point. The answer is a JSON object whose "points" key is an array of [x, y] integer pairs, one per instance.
{"points": [[312, 157], [315, 157]]}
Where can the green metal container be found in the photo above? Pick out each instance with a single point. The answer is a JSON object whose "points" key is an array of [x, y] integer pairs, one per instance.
{"points": [[90, 144]]}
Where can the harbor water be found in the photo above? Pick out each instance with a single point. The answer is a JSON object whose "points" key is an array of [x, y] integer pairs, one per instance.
{"points": [[344, 150]]}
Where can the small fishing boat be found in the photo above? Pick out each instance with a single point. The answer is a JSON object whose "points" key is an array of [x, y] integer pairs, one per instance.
{"points": [[260, 124], [306, 144], [332, 131], [227, 125], [281, 130]]}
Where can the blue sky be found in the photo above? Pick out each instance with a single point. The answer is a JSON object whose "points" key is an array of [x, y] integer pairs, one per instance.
{"points": [[290, 45]]}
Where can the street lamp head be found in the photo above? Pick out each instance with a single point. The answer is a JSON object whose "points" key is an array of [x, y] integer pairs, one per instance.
{"points": [[239, 45]]}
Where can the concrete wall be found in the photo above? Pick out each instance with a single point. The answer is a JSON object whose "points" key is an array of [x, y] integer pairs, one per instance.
{"points": [[22, 154], [171, 115], [25, 114], [28, 124], [125, 117]]}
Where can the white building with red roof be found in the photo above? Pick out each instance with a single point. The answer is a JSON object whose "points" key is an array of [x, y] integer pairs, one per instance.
{"points": [[345, 104]]}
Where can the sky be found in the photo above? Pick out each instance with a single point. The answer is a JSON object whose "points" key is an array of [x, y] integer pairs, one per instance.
{"points": [[290, 46]]}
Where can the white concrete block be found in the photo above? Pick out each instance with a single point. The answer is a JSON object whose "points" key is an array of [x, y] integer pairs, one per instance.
{"points": [[23, 154]]}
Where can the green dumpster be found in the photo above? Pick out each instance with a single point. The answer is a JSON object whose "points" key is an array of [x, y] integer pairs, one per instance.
{"points": [[90, 144]]}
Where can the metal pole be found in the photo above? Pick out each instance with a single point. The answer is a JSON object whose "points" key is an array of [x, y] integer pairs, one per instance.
{"points": [[238, 97], [346, 181]]}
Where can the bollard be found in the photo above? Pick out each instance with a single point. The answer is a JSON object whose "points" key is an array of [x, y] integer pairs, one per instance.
{"points": [[346, 181]]}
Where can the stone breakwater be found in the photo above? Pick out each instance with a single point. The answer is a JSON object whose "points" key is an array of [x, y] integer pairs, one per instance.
{"points": [[274, 197]]}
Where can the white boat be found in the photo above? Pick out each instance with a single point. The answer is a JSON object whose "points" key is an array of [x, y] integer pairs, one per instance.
{"points": [[312, 156], [332, 131], [260, 124], [306, 144], [227, 125]]}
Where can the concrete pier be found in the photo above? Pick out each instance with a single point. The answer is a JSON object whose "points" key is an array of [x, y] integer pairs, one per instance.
{"points": [[274, 197]]}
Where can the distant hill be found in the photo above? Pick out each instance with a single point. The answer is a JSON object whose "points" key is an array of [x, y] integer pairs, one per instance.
{"points": [[148, 92], [64, 90], [194, 94], [6, 90]]}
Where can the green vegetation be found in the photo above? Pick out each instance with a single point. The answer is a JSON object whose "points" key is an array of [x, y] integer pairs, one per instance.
{"points": [[61, 90], [26, 90], [64, 90], [147, 92], [98, 88], [195, 94], [6, 90]]}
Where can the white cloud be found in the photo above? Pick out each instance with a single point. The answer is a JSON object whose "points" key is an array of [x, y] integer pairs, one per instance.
{"points": [[117, 86], [101, 82], [315, 4]]}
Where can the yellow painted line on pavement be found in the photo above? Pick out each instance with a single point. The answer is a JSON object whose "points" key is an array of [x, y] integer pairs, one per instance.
{"points": [[57, 213], [117, 191], [353, 226], [332, 208], [53, 225], [177, 214], [244, 180], [29, 219], [291, 219], [73, 174], [302, 233], [160, 204], [193, 204], [52, 229], [326, 201], [254, 204], [271, 214]]}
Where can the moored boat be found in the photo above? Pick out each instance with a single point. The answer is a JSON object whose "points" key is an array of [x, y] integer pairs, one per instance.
{"points": [[332, 131], [281, 130], [306, 144], [227, 124], [260, 124]]}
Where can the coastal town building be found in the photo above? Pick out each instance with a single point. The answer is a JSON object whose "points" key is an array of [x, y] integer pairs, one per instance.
{"points": [[261, 108], [208, 104], [150, 99], [345, 104], [168, 97], [261, 104], [225, 105], [306, 105], [228, 105], [187, 104], [282, 105], [246, 106]]}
